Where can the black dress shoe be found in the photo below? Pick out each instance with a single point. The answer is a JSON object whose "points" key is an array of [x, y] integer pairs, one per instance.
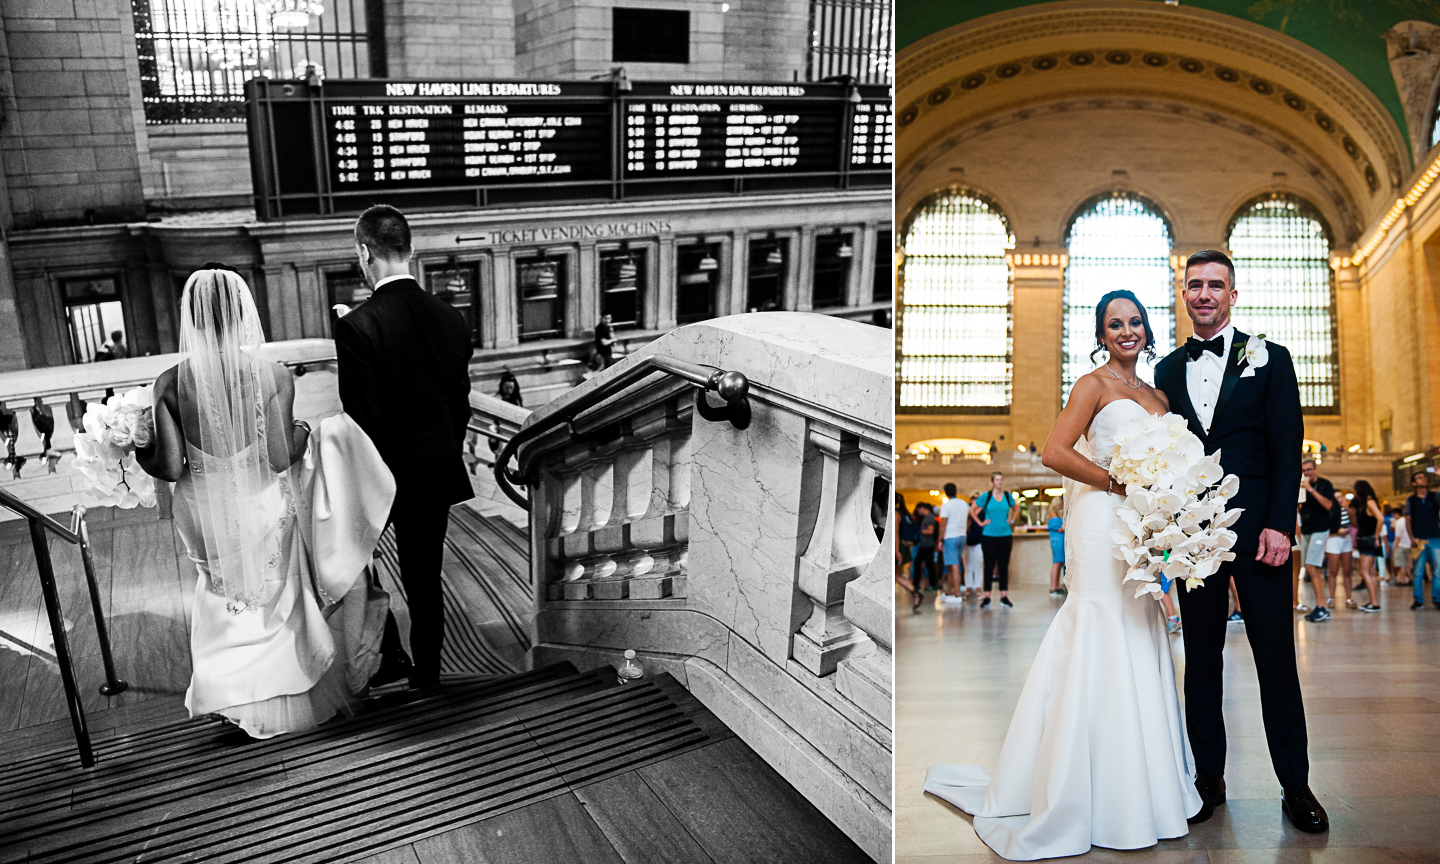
{"points": [[1304, 812], [1212, 795], [393, 667]]}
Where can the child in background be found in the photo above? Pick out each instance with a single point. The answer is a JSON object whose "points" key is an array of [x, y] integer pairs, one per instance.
{"points": [[1056, 526]]}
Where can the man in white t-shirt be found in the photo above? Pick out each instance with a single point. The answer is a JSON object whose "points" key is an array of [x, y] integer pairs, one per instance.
{"points": [[952, 528]]}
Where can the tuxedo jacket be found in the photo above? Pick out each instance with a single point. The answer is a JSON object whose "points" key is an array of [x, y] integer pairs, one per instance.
{"points": [[1259, 430], [404, 359]]}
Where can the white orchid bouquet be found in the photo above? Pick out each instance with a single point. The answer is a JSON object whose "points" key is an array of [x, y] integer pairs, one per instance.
{"points": [[1174, 524], [105, 451]]}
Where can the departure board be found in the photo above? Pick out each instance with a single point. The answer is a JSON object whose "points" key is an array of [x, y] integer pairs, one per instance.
{"points": [[340, 146], [705, 131]]}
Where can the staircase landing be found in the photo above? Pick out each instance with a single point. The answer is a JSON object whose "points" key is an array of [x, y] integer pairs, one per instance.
{"points": [[543, 766]]}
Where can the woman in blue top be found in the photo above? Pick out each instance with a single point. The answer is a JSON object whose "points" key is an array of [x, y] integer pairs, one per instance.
{"points": [[995, 511], [1056, 526]]}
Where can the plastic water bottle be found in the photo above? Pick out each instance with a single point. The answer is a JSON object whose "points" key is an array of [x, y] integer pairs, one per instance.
{"points": [[629, 670]]}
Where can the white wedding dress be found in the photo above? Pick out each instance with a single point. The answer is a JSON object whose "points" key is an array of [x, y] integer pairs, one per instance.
{"points": [[1096, 753]]}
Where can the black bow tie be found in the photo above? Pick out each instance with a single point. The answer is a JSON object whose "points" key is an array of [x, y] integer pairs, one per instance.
{"points": [[1194, 347]]}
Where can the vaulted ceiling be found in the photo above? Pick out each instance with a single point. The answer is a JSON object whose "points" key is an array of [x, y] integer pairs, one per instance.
{"points": [[1350, 32]]}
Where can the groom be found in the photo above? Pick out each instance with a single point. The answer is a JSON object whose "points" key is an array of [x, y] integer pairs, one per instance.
{"points": [[404, 365], [1250, 410]]}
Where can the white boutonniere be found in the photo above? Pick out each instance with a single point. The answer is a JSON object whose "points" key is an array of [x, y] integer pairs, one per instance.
{"points": [[1257, 354]]}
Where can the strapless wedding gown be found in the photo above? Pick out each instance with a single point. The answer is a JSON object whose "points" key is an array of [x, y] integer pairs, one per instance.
{"points": [[268, 669], [1096, 753]]}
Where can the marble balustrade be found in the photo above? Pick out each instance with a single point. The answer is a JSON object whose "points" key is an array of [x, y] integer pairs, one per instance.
{"points": [[745, 562]]}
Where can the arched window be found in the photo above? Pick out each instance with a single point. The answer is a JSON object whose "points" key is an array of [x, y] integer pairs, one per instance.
{"points": [[1116, 241], [956, 312], [1281, 250]]}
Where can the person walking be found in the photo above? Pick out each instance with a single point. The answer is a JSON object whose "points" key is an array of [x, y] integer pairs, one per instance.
{"points": [[404, 377], [952, 533], [996, 511], [908, 537], [1369, 542], [1055, 524], [922, 570], [1422, 517], [973, 552], [1315, 532], [1400, 549]]}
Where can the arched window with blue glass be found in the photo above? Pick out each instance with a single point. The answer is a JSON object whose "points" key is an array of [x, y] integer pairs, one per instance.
{"points": [[956, 314], [1281, 248], [1114, 241]]}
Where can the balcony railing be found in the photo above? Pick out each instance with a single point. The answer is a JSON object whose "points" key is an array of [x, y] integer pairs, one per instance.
{"points": [[745, 561]]}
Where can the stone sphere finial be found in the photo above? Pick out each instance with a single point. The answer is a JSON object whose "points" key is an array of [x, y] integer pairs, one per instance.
{"points": [[733, 386]]}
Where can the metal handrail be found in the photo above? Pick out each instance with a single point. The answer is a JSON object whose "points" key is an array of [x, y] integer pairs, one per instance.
{"points": [[77, 534], [733, 387]]}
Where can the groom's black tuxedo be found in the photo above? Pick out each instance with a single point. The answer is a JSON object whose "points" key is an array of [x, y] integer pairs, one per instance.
{"points": [[1258, 427], [1259, 430], [404, 359]]}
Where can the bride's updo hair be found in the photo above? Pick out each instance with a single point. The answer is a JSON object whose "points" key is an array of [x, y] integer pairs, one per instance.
{"points": [[216, 301], [1144, 321]]}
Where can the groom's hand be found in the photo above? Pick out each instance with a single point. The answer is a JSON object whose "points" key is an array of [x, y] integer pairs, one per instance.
{"points": [[1274, 548]]}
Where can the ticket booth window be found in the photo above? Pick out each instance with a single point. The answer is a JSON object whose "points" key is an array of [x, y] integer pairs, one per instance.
{"points": [[95, 315], [698, 280], [765, 287], [833, 254], [884, 262], [542, 296], [458, 285], [622, 272], [347, 287]]}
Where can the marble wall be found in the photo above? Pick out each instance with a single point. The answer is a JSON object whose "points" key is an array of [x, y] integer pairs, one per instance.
{"points": [[782, 625]]}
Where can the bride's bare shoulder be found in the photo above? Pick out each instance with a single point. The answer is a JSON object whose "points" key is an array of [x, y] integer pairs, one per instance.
{"points": [[1089, 389]]}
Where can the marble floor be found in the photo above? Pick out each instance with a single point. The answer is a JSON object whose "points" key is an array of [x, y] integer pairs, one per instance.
{"points": [[1372, 704]]}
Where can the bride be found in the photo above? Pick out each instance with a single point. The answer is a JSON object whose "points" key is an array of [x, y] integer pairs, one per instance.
{"points": [[1096, 753], [262, 653]]}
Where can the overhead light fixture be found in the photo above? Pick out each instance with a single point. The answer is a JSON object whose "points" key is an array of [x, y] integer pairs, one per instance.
{"points": [[707, 264], [775, 257], [293, 14], [844, 251], [628, 270]]}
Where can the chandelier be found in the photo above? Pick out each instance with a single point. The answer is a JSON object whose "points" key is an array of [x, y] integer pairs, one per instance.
{"points": [[291, 14]]}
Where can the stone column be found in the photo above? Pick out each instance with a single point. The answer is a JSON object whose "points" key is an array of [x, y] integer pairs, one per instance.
{"points": [[507, 324], [800, 290], [731, 299], [663, 288], [1036, 349], [1353, 334]]}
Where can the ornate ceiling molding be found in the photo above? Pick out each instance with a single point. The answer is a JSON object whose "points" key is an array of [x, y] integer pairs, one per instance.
{"points": [[1280, 74], [1347, 221]]}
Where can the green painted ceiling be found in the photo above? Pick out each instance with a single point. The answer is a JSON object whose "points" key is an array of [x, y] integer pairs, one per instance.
{"points": [[1350, 32]]}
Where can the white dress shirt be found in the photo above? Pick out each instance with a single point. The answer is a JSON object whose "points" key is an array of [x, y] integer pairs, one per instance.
{"points": [[1203, 376], [388, 279]]}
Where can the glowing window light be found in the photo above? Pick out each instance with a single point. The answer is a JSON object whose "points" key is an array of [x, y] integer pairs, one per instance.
{"points": [[1118, 241], [1282, 272], [956, 317]]}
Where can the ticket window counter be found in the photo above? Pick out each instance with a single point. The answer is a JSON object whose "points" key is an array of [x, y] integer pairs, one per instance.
{"points": [[697, 281], [94, 315], [541, 284], [765, 281], [833, 256], [622, 273], [884, 277], [345, 286], [458, 284]]}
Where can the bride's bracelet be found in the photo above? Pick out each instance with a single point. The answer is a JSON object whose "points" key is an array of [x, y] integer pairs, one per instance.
{"points": [[303, 425]]}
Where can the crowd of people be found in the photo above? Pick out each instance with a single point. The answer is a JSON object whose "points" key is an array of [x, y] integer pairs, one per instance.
{"points": [[961, 549], [1397, 545]]}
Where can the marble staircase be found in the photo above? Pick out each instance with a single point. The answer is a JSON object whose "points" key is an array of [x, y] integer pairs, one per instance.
{"points": [[546, 765]]}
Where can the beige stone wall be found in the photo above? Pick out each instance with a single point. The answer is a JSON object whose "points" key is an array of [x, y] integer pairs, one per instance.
{"points": [[68, 134], [450, 39]]}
